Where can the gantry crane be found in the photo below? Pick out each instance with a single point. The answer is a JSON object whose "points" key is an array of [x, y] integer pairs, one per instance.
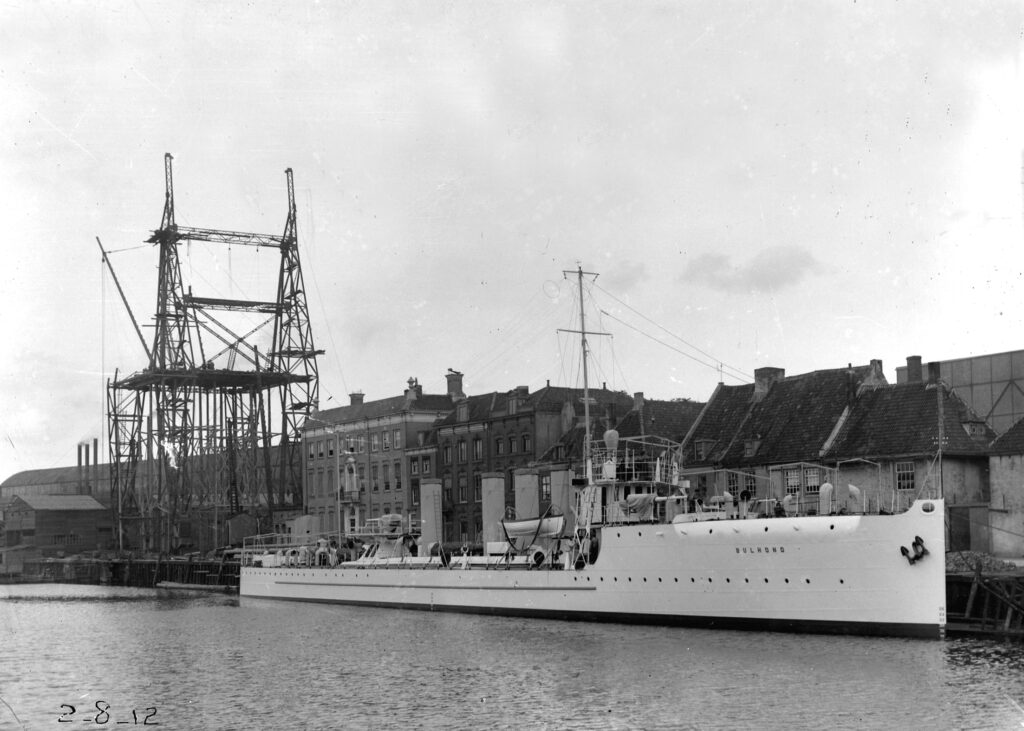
{"points": [[196, 429]]}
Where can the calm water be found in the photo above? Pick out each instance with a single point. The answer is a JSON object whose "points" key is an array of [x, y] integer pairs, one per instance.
{"points": [[217, 662]]}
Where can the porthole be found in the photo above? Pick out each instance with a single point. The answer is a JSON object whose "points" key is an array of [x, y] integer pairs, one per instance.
{"points": [[659, 579], [630, 579], [766, 579], [787, 581], [841, 581], [692, 580], [832, 527], [807, 581], [615, 578], [710, 579], [766, 529], [711, 530], [728, 581], [677, 579], [746, 581]]}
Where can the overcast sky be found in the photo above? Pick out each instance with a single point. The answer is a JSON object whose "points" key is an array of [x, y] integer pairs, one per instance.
{"points": [[792, 184]]}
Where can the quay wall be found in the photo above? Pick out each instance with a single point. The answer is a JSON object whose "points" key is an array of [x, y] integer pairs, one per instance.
{"points": [[146, 572]]}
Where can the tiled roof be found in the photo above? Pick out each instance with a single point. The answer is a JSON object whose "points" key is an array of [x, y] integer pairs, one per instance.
{"points": [[668, 419], [790, 423], [1012, 442], [904, 420], [380, 408], [60, 502], [550, 399]]}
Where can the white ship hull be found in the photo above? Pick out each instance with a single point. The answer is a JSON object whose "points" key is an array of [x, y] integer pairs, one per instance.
{"points": [[841, 574]]}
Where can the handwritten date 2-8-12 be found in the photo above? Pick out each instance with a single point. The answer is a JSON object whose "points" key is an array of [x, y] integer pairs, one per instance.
{"points": [[145, 717]]}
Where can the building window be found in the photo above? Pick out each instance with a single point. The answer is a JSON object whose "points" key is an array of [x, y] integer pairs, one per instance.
{"points": [[312, 450], [414, 466], [447, 482], [362, 478], [362, 444], [812, 480], [398, 475], [732, 483], [792, 480], [386, 469], [701, 448], [426, 465], [527, 445], [462, 450], [499, 446], [750, 483], [415, 491], [446, 454], [512, 445], [374, 478], [330, 447], [904, 475], [478, 448], [385, 440], [374, 442], [463, 532], [477, 487], [545, 488], [396, 438], [463, 488]]}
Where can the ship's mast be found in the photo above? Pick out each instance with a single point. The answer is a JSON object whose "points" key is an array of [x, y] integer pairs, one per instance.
{"points": [[584, 350]]}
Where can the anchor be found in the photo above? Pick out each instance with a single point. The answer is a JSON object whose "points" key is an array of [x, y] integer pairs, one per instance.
{"points": [[916, 552]]}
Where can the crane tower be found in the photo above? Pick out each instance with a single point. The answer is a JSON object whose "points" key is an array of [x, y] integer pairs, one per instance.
{"points": [[210, 427]]}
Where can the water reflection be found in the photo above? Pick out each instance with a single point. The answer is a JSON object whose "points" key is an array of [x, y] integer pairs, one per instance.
{"points": [[211, 661]]}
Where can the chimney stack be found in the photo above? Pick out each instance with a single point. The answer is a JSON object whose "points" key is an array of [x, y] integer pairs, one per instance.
{"points": [[454, 385], [356, 398], [913, 369], [934, 372], [764, 379]]}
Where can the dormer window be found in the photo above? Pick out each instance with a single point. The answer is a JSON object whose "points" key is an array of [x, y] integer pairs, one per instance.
{"points": [[702, 448], [750, 447], [513, 405], [975, 429], [463, 411]]}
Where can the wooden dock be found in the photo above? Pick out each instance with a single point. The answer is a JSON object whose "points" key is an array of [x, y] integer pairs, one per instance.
{"points": [[985, 604]]}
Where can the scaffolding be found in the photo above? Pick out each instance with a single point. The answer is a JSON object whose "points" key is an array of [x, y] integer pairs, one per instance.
{"points": [[212, 423]]}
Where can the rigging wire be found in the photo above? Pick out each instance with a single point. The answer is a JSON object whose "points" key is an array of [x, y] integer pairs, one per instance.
{"points": [[670, 347], [320, 300], [737, 373]]}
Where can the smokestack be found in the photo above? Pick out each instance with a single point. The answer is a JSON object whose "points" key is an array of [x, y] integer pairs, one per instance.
{"points": [[95, 477]]}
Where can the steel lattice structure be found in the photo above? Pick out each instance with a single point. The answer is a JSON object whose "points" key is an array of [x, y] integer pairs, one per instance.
{"points": [[196, 429]]}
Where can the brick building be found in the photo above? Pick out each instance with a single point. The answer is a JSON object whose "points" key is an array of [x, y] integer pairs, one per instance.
{"points": [[370, 441]]}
